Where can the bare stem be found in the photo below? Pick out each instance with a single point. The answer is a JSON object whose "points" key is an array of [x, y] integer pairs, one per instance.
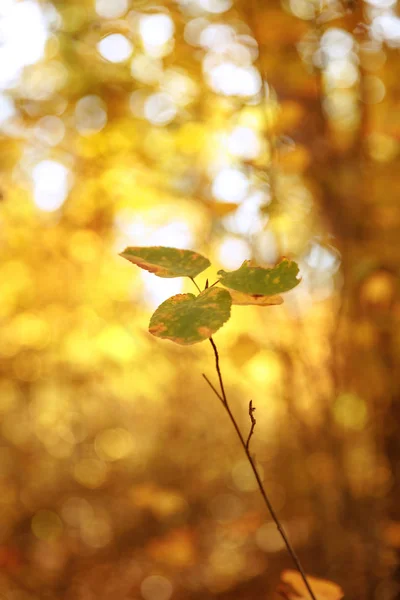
{"points": [[222, 397], [192, 278]]}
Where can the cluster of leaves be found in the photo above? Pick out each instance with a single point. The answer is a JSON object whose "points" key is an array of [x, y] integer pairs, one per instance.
{"points": [[189, 319]]}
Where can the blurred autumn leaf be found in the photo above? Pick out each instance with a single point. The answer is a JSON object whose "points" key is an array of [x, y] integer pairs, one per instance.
{"points": [[292, 587]]}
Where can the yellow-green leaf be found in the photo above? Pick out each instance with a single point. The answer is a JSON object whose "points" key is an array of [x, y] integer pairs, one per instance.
{"points": [[166, 262], [188, 319], [254, 280]]}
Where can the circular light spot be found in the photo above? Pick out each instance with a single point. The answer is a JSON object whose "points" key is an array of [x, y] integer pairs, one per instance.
{"points": [[156, 30], [215, 6], [50, 130], [90, 115], [336, 43], [96, 533], [341, 73], [194, 29], [115, 48], [303, 9], [46, 525], [350, 411], [111, 9], [179, 87], [76, 511], [386, 27], [50, 183], [113, 444], [216, 35], [156, 587], [159, 109], [231, 80], [373, 90], [230, 185], [244, 142], [90, 472]]}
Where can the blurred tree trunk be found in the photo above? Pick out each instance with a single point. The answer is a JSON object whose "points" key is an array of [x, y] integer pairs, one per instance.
{"points": [[358, 202], [364, 219]]}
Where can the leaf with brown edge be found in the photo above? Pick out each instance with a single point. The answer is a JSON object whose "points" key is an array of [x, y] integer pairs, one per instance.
{"points": [[188, 319], [242, 299], [292, 587], [166, 262], [251, 279]]}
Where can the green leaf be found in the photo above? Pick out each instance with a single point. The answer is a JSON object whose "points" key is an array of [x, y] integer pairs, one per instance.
{"points": [[242, 299], [166, 262], [251, 279], [189, 319]]}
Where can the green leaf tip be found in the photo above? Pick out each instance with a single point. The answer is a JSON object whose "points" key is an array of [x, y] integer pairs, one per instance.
{"points": [[259, 281], [166, 262], [188, 319]]}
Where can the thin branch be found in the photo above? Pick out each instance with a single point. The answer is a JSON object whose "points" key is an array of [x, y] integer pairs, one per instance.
{"points": [[213, 388], [192, 278], [222, 397], [215, 283], [221, 383], [253, 423]]}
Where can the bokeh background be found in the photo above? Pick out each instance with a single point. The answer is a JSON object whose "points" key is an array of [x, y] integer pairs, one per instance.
{"points": [[239, 129]]}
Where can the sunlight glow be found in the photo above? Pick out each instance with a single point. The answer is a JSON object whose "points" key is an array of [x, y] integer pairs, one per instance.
{"points": [[230, 185], [231, 80], [111, 9], [216, 35], [159, 109], [322, 258], [157, 289], [386, 27], [244, 142], [156, 31], [215, 6], [341, 74], [194, 30], [23, 35], [115, 48], [50, 130], [50, 184], [90, 115], [146, 69], [248, 218], [181, 88], [7, 109], [232, 252], [336, 43]]}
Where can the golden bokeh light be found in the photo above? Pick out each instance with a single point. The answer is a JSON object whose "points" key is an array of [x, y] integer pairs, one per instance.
{"points": [[243, 131]]}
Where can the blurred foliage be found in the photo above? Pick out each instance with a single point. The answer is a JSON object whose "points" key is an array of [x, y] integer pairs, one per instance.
{"points": [[240, 129]]}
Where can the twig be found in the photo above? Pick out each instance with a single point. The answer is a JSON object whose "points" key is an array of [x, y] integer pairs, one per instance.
{"points": [[213, 388], [222, 397], [253, 423], [192, 278]]}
